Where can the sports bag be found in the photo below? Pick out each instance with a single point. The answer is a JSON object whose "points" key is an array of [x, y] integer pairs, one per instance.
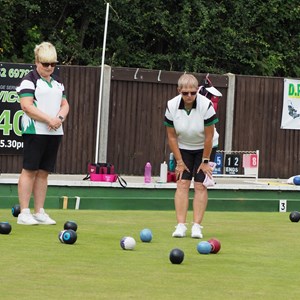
{"points": [[104, 172]]}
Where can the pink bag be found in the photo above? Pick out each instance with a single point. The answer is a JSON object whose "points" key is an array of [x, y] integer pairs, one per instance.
{"points": [[103, 177], [101, 168], [104, 172]]}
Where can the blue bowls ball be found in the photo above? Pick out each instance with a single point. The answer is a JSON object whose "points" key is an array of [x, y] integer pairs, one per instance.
{"points": [[146, 235], [296, 180], [204, 247]]}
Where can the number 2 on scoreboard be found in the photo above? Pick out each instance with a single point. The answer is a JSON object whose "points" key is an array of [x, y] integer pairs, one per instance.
{"points": [[233, 161]]}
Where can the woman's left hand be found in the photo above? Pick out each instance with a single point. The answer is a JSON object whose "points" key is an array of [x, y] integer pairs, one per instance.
{"points": [[54, 123], [206, 169]]}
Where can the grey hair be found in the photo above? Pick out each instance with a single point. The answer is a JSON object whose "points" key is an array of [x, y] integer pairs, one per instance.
{"points": [[187, 80]]}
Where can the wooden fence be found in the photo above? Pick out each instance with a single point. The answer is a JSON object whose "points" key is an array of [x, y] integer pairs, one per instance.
{"points": [[135, 132]]}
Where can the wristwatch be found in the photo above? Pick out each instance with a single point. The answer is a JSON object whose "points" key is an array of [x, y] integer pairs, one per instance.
{"points": [[205, 160], [61, 118]]}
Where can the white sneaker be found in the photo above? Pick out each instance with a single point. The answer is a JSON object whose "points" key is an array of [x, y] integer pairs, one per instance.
{"points": [[180, 231], [196, 231], [26, 218], [43, 218]]}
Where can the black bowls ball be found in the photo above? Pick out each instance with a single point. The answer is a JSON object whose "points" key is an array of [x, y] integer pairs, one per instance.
{"points": [[15, 210], [5, 228], [294, 216], [68, 236], [70, 225], [176, 256]]}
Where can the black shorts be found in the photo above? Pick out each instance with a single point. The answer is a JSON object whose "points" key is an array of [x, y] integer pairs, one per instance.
{"points": [[193, 159], [40, 151]]}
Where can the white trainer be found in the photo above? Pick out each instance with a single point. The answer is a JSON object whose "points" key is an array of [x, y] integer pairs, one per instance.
{"points": [[42, 218], [180, 231], [196, 231], [26, 218]]}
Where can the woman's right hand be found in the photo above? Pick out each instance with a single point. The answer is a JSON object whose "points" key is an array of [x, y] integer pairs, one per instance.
{"points": [[180, 168]]}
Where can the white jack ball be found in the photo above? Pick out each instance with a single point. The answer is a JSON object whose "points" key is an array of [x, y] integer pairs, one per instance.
{"points": [[127, 243]]}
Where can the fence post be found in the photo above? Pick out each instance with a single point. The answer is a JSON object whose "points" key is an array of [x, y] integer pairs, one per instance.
{"points": [[229, 112], [103, 139]]}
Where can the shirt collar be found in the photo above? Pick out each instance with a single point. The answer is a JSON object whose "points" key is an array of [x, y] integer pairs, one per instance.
{"points": [[181, 104]]}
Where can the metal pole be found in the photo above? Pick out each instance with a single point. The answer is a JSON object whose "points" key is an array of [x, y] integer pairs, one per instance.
{"points": [[101, 84]]}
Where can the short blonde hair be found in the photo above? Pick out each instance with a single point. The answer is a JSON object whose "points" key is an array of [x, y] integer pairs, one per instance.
{"points": [[45, 52], [187, 80]]}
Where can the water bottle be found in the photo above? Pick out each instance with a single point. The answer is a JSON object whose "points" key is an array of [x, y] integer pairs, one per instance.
{"points": [[171, 162], [163, 173], [147, 174]]}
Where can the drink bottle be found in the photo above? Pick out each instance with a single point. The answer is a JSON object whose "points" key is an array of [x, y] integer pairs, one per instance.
{"points": [[147, 174], [171, 162], [163, 172]]}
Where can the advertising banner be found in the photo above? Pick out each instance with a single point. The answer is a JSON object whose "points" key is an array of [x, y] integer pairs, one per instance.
{"points": [[10, 110], [291, 105]]}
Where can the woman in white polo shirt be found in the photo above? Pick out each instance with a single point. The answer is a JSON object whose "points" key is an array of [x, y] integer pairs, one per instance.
{"points": [[43, 100], [190, 122]]}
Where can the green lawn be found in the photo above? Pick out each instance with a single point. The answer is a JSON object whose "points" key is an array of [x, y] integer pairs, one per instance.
{"points": [[259, 258]]}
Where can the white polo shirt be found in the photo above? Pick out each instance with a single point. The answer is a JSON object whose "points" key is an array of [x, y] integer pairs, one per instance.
{"points": [[47, 97], [190, 127]]}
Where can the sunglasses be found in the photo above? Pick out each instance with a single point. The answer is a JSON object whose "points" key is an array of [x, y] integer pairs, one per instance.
{"points": [[46, 65], [187, 93]]}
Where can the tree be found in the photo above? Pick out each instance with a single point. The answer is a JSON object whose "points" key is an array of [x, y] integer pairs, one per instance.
{"points": [[217, 36]]}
